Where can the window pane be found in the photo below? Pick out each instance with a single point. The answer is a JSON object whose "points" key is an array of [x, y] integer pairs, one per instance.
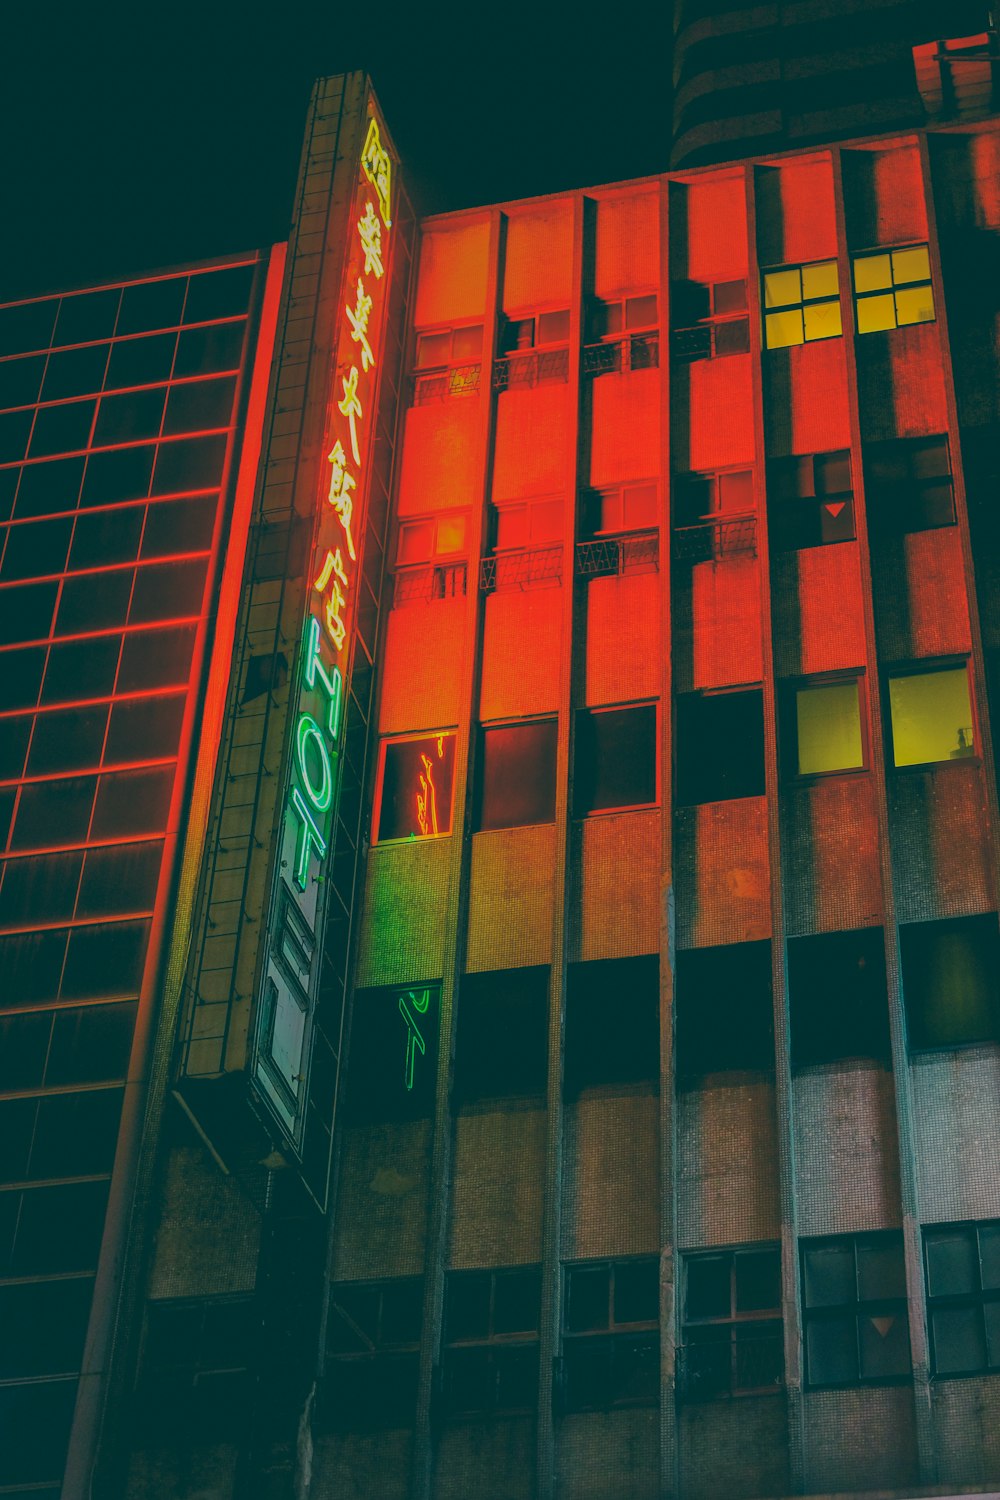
{"points": [[637, 1291], [875, 313], [75, 372], [959, 1340], [141, 361], [39, 889], [991, 1313], [199, 406], [151, 304], [218, 294], [831, 1351], [989, 1253], [467, 344], [432, 349], [203, 350], [512, 526], [76, 1134], [88, 316], [782, 288], [35, 1420], [81, 669], [639, 506], [518, 775], [729, 297], [416, 787], [553, 327], [33, 551], [931, 717], [144, 729], [450, 535], [13, 744], [885, 1345], [822, 321], [44, 1325], [122, 474], [784, 328], [821, 280], [735, 492], [952, 1265], [829, 728], [517, 1301], [732, 337], [122, 419], [914, 305], [615, 760], [640, 312], [54, 812], [60, 1228], [829, 1275], [720, 746], [587, 1301], [709, 1287], [950, 977], [94, 601], [911, 265], [133, 802], [119, 879], [415, 542], [90, 1045], [60, 429], [872, 273], [177, 526], [880, 1270], [758, 1280], [106, 536], [837, 996], [468, 1312]]}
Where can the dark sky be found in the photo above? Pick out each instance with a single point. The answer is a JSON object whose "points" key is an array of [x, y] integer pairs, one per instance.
{"points": [[136, 137]]}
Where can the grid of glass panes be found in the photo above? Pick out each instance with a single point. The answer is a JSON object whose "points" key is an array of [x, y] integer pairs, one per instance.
{"points": [[117, 413]]}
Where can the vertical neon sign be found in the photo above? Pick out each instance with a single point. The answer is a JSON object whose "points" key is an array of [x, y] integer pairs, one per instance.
{"points": [[313, 778]]}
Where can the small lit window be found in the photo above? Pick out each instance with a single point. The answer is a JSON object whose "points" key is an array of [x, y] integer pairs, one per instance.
{"points": [[490, 1362], [950, 983], [811, 500], [709, 320], [963, 1297], [931, 714], [611, 1344], [854, 1305], [627, 507], [828, 734], [523, 524], [893, 288], [540, 331], [732, 1338], [517, 774], [719, 746], [414, 796], [609, 320], [908, 484], [802, 304]]}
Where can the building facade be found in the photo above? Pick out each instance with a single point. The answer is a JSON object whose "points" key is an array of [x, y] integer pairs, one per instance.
{"points": [[567, 1054]]}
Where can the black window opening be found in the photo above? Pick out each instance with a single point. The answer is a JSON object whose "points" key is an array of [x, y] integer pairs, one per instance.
{"points": [[854, 1309], [516, 774], [951, 981], [196, 1366], [963, 1297], [708, 320], [538, 331], [373, 1343], [823, 728], [719, 746], [612, 1023], [614, 760], [415, 787], [810, 500], [724, 1014], [611, 1342], [837, 997], [490, 1360], [391, 1059], [732, 1334], [502, 1042], [908, 485]]}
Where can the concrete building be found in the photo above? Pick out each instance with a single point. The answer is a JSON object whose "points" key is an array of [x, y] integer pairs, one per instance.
{"points": [[569, 1066]]}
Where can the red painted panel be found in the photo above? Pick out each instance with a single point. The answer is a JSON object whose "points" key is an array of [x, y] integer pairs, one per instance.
{"points": [[627, 253], [901, 383], [439, 465], [796, 219], [938, 606], [451, 282], [534, 433], [818, 610], [538, 265], [830, 864], [521, 627], [708, 229], [625, 434], [420, 666], [722, 879], [719, 428], [725, 638], [806, 410], [623, 633]]}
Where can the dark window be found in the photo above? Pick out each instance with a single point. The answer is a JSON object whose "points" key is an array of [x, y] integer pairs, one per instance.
{"points": [[854, 1303], [168, 591], [951, 976], [373, 1339], [517, 774], [122, 474], [81, 669], [35, 1420], [963, 1297], [392, 1060], [732, 1336], [123, 419], [39, 889], [909, 485], [75, 1134], [20, 677], [810, 500], [195, 1368], [177, 526], [34, 550], [490, 1362], [200, 406], [14, 430], [144, 729], [104, 961], [155, 658], [58, 1229], [61, 429], [837, 997], [724, 1010], [141, 361], [54, 812], [49, 487], [30, 965], [133, 802], [203, 351], [20, 380], [502, 1044], [709, 320], [611, 1344], [90, 1044], [106, 537], [94, 601], [416, 787], [718, 497], [24, 1046], [218, 294], [44, 1325], [89, 316], [121, 878], [519, 334], [622, 508], [614, 759], [533, 523], [13, 744], [151, 304], [75, 372], [612, 1022], [8, 485], [189, 464], [26, 326], [610, 319], [823, 729], [720, 746], [26, 612]]}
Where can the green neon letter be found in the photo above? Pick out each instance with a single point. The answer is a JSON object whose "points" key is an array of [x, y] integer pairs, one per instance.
{"points": [[307, 730], [309, 839], [331, 679]]}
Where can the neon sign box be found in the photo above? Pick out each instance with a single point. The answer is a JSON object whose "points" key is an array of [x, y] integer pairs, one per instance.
{"points": [[313, 770]]}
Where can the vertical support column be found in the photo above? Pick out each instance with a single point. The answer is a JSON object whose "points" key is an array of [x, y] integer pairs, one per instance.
{"points": [[456, 914], [902, 1091], [790, 1296], [550, 1328]]}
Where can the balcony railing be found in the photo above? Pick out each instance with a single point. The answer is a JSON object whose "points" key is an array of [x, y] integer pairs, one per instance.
{"points": [[530, 368], [435, 385], [527, 569], [711, 339], [636, 351], [713, 541], [612, 555], [422, 585], [718, 1369]]}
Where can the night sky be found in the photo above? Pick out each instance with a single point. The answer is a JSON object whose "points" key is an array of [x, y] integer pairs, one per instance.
{"points": [[139, 137]]}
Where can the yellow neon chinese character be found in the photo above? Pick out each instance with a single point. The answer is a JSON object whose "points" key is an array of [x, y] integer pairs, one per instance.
{"points": [[378, 169], [332, 563], [350, 407], [341, 485], [358, 320], [335, 602], [370, 231]]}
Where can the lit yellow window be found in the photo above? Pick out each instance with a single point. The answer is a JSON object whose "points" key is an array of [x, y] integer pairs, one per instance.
{"points": [[801, 303], [893, 289], [829, 728], [931, 717]]}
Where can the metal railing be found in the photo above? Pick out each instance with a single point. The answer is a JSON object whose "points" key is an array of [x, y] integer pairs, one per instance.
{"points": [[635, 351], [436, 581], [530, 368], [712, 541], [538, 565], [712, 338], [436, 385], [618, 554]]}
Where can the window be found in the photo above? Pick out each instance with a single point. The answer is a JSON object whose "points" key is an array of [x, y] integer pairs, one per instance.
{"points": [[724, 1011], [430, 557], [893, 288], [517, 774], [490, 1362], [612, 1022], [447, 363], [825, 728], [196, 1363], [373, 1342], [931, 716], [536, 332], [622, 334], [719, 746], [963, 1297], [854, 1310], [713, 515], [811, 500], [614, 759], [522, 524], [503, 1027], [837, 997], [414, 795], [950, 981], [392, 1055], [908, 485], [611, 1343], [709, 320], [732, 1338], [620, 315], [626, 507], [802, 304]]}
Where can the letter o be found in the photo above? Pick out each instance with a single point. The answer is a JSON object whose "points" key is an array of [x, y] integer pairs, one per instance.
{"points": [[322, 796]]}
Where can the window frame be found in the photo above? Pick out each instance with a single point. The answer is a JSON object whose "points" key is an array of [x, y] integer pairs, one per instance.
{"points": [[789, 689], [480, 767], [890, 251], [945, 1301], [611, 1335], [489, 1344], [710, 323], [534, 316], [800, 304], [856, 1308], [586, 713], [734, 1320], [526, 503], [925, 667], [884, 517], [781, 506], [595, 504], [382, 1352], [598, 305], [376, 815]]}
